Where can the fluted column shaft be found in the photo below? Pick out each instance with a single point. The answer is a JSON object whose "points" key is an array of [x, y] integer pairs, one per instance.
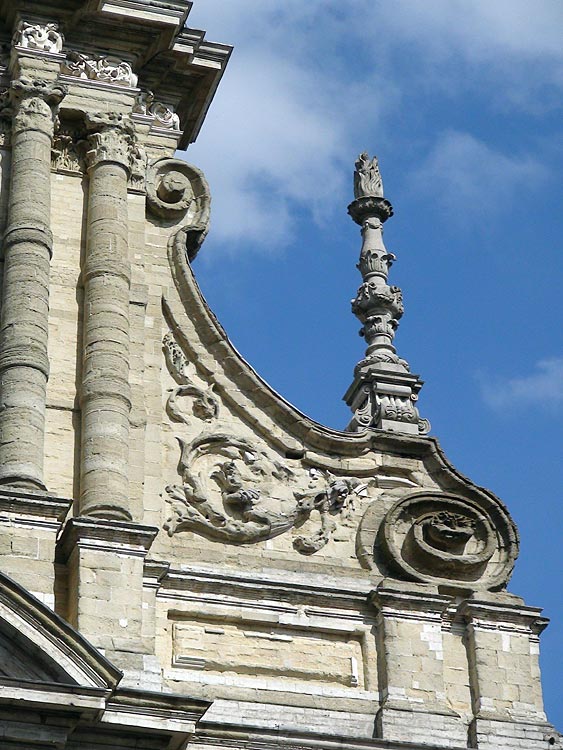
{"points": [[24, 363], [105, 393]]}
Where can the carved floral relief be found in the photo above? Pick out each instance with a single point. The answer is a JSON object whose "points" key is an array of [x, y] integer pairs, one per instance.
{"points": [[232, 491], [38, 36], [99, 68], [163, 114], [235, 493]]}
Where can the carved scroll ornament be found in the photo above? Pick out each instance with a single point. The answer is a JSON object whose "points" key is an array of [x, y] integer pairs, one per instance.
{"points": [[234, 493], [177, 190], [439, 538]]}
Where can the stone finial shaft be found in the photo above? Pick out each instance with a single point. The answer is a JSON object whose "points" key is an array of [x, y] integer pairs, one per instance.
{"points": [[384, 391], [105, 393], [24, 363]]}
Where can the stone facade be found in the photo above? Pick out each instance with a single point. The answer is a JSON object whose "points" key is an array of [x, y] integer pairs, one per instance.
{"points": [[186, 560]]}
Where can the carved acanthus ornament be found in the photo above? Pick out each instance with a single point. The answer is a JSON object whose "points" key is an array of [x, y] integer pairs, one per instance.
{"points": [[99, 68], [163, 114], [236, 493], [204, 404], [66, 153], [37, 36], [35, 103], [384, 392], [111, 137]]}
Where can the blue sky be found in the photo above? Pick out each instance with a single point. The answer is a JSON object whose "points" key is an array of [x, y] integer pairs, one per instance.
{"points": [[460, 100]]}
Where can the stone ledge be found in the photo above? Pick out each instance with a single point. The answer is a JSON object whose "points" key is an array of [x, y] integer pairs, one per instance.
{"points": [[33, 503], [104, 536]]}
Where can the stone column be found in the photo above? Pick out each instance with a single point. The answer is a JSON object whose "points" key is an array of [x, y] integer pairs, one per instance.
{"points": [[411, 667], [105, 392], [24, 363]]}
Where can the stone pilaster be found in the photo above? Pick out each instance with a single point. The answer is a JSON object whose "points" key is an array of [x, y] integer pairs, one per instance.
{"points": [[24, 362], [411, 667], [502, 640], [105, 562], [105, 393]]}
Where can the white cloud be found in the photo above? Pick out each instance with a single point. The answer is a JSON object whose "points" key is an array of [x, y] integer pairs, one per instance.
{"points": [[313, 83], [471, 179], [481, 29], [543, 387], [278, 137]]}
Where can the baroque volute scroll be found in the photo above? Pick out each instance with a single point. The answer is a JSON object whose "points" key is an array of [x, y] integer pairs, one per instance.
{"points": [[440, 538]]}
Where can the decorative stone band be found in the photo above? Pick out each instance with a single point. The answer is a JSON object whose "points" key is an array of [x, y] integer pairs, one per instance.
{"points": [[442, 539]]}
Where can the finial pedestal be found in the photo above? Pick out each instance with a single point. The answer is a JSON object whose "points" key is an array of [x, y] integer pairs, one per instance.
{"points": [[384, 392]]}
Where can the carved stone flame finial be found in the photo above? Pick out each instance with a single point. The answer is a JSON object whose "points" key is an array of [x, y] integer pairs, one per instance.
{"points": [[367, 179], [384, 392]]}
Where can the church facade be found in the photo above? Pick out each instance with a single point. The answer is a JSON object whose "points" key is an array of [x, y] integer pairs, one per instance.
{"points": [[185, 559]]}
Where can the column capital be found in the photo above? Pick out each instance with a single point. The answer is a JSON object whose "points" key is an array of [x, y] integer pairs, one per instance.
{"points": [[34, 103], [110, 137]]}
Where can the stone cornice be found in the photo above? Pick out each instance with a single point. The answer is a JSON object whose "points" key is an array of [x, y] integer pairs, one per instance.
{"points": [[178, 64], [253, 738], [40, 505], [105, 535]]}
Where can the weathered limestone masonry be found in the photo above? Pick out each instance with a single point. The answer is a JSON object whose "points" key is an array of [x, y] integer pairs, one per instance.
{"points": [[105, 393], [190, 560]]}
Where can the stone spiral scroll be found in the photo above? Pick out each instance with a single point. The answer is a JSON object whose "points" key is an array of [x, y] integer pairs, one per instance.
{"points": [[444, 539], [179, 192]]}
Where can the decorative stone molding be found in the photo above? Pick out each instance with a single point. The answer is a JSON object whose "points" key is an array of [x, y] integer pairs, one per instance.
{"points": [[176, 188], [110, 137], [37, 36], [163, 114], [226, 491], [205, 405], [66, 155], [138, 160], [443, 539], [384, 392], [101, 68]]}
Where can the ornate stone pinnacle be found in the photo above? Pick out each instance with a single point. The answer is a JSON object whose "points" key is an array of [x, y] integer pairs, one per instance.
{"points": [[384, 391]]}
